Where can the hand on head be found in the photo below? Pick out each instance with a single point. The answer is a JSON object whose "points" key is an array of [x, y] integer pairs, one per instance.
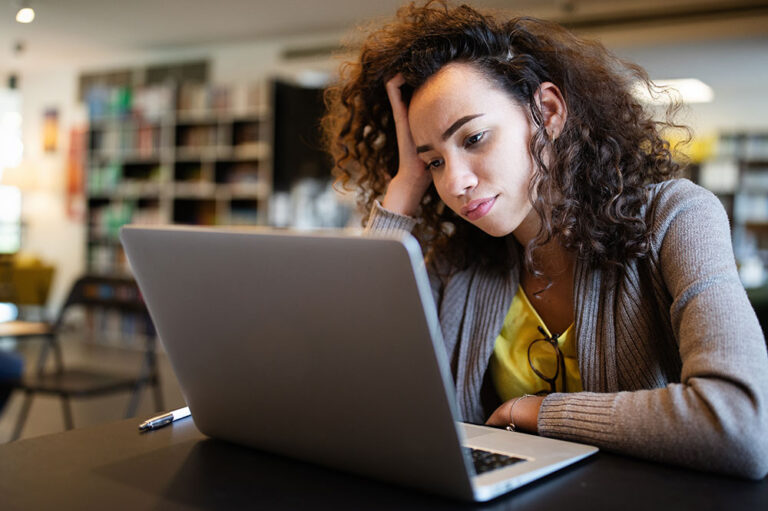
{"points": [[412, 179]]}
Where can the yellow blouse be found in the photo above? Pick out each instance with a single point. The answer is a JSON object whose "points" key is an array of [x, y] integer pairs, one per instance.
{"points": [[511, 373]]}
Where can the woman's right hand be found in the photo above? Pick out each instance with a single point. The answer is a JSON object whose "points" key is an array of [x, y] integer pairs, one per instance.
{"points": [[412, 180]]}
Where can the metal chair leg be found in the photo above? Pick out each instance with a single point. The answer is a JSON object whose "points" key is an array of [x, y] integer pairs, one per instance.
{"points": [[66, 408], [153, 370], [147, 375], [158, 391], [43, 356], [58, 357], [22, 419], [133, 404]]}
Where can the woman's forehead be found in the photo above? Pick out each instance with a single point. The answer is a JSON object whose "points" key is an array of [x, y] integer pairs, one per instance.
{"points": [[457, 90]]}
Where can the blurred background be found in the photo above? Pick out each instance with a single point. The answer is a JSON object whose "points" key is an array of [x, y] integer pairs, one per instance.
{"points": [[199, 112]]}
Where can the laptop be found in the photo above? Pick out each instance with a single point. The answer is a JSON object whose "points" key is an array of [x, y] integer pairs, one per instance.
{"points": [[325, 347]]}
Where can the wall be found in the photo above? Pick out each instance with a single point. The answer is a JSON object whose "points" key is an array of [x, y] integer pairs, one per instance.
{"points": [[49, 232], [736, 69]]}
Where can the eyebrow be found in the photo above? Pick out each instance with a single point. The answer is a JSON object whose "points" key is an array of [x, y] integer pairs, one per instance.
{"points": [[450, 131]]}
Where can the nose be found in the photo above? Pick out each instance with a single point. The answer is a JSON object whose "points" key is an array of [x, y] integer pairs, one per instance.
{"points": [[459, 178]]}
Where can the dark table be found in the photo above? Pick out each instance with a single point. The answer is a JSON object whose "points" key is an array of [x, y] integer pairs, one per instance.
{"points": [[113, 466]]}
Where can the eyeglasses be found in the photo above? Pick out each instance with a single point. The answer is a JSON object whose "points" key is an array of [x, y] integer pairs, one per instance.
{"points": [[550, 345]]}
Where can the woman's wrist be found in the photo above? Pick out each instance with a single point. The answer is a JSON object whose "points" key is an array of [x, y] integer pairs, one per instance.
{"points": [[512, 426], [404, 196], [524, 413]]}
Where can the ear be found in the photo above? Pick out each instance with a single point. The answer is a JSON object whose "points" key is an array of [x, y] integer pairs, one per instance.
{"points": [[550, 101]]}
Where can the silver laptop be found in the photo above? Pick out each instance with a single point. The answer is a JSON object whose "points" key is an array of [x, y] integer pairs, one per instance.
{"points": [[324, 347]]}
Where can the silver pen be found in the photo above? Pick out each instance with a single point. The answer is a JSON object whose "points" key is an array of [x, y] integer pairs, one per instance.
{"points": [[158, 421]]}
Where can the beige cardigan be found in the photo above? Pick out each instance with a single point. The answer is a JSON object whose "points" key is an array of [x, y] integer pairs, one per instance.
{"points": [[689, 388]]}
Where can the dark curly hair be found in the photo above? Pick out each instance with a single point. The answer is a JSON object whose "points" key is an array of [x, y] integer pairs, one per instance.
{"points": [[590, 190]]}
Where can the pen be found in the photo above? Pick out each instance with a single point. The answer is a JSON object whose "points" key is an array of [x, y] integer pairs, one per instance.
{"points": [[158, 421]]}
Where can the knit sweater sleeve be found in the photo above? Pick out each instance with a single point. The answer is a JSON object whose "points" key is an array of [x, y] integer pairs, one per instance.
{"points": [[716, 417], [383, 221]]}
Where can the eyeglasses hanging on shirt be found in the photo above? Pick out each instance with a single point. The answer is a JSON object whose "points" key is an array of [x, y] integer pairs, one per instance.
{"points": [[550, 344]]}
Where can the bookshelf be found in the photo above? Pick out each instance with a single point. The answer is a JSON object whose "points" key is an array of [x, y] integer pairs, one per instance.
{"points": [[189, 154], [738, 174]]}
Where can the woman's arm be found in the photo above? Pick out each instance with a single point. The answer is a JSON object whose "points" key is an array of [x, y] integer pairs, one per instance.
{"points": [[716, 418]]}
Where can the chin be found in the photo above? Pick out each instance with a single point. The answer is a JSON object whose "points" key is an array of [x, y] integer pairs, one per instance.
{"points": [[499, 225], [497, 231]]}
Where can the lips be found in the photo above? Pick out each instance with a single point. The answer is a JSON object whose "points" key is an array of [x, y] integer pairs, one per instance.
{"points": [[478, 208]]}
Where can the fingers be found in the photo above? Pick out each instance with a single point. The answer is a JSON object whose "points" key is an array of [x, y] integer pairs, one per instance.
{"points": [[395, 97], [400, 114], [399, 110]]}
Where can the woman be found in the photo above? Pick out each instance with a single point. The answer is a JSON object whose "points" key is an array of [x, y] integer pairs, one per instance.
{"points": [[583, 293]]}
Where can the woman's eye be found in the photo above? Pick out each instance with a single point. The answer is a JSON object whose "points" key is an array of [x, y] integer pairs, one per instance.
{"points": [[432, 165], [474, 139]]}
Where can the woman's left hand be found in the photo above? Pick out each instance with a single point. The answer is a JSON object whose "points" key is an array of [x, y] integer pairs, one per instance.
{"points": [[526, 414]]}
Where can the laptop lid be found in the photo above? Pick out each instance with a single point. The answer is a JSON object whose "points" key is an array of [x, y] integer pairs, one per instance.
{"points": [[319, 346]]}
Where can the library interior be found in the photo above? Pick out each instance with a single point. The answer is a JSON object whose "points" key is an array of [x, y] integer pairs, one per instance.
{"points": [[190, 112]]}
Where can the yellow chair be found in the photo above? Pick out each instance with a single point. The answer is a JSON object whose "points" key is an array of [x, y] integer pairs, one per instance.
{"points": [[25, 281]]}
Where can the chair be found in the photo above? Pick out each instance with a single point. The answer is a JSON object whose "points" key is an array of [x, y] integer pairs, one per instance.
{"points": [[95, 294], [24, 283], [7, 290]]}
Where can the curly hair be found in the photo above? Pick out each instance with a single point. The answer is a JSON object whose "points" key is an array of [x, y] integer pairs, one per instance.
{"points": [[589, 190]]}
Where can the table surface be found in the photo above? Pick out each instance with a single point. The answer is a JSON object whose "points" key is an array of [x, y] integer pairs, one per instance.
{"points": [[176, 468]]}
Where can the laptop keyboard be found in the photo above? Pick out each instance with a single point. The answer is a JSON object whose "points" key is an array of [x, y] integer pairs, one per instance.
{"points": [[485, 461]]}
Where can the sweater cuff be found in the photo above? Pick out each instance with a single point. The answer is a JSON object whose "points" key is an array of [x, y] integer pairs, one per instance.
{"points": [[384, 221], [584, 417]]}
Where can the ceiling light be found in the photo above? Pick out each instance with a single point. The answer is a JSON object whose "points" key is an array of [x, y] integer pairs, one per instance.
{"points": [[25, 15], [686, 90]]}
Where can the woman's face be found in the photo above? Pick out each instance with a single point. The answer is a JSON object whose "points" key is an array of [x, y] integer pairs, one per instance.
{"points": [[473, 138]]}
